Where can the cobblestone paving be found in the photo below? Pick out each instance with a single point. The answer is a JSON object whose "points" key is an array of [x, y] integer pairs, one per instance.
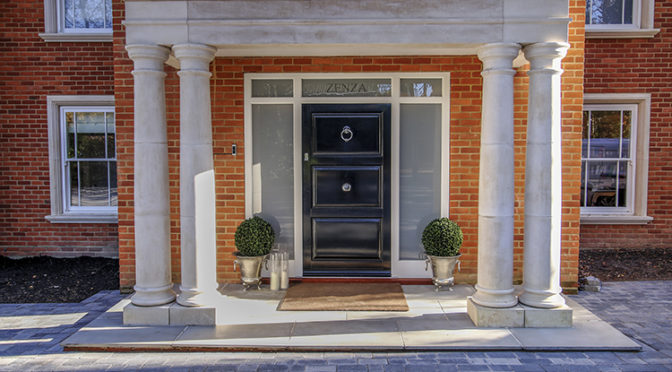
{"points": [[642, 310]]}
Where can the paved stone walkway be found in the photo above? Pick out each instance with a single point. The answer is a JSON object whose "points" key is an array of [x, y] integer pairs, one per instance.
{"points": [[30, 334]]}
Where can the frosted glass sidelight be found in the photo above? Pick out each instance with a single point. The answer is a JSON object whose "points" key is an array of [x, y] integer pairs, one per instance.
{"points": [[272, 88], [273, 175], [419, 174]]}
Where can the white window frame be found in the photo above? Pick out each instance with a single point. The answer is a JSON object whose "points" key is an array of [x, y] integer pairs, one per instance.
{"points": [[635, 212], [60, 213], [641, 27], [400, 268], [54, 31]]}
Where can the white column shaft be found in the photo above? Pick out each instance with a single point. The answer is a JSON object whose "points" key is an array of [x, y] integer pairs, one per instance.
{"points": [[543, 177], [496, 178], [198, 282], [151, 196]]}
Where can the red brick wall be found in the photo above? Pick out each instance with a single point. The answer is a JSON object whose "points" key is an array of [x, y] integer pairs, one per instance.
{"points": [[639, 66], [31, 69], [465, 99]]}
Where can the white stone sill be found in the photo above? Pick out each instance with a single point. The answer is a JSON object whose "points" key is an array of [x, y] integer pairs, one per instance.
{"points": [[74, 37], [621, 34], [615, 220], [83, 218]]}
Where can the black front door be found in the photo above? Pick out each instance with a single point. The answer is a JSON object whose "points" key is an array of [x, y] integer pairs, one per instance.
{"points": [[346, 190]]}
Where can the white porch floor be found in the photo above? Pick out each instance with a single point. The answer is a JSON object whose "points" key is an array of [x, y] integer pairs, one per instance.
{"points": [[435, 321]]}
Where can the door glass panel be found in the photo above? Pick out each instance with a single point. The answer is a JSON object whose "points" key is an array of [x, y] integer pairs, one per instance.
{"points": [[346, 87], [273, 170], [420, 88], [272, 88], [419, 174]]}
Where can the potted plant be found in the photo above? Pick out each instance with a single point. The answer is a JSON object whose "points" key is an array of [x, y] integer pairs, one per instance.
{"points": [[254, 239], [442, 239]]}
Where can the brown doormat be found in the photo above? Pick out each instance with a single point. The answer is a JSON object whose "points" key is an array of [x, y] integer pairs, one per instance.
{"points": [[344, 297]]}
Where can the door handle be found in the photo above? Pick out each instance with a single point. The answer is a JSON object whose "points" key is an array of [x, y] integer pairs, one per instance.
{"points": [[305, 156]]}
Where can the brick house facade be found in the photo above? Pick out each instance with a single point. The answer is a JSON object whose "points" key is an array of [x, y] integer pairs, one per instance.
{"points": [[34, 69]]}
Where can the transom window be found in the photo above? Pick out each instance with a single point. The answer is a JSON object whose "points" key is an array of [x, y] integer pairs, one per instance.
{"points": [[89, 159], [86, 15], [607, 158]]}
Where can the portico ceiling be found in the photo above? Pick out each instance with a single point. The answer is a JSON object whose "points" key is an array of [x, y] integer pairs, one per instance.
{"points": [[353, 27]]}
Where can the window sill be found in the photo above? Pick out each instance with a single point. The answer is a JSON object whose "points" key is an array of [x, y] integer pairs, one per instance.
{"points": [[76, 37], [622, 33], [615, 220], [83, 218]]}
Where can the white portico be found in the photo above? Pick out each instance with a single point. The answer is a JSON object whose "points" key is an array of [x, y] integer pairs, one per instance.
{"points": [[189, 34]]}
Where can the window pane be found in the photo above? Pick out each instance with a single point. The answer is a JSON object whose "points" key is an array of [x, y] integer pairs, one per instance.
{"points": [[89, 14], [610, 12], [93, 186], [113, 183], [622, 183], [420, 87], [90, 134], [582, 202], [627, 125], [346, 87], [109, 120], [601, 185], [419, 174], [70, 134], [584, 134], [273, 170], [605, 131], [74, 183], [108, 13], [272, 88], [69, 13]]}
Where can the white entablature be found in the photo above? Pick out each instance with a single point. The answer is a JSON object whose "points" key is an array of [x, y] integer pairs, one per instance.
{"points": [[325, 27]]}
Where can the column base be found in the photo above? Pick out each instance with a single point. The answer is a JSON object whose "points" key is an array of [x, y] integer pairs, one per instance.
{"points": [[494, 298], [194, 297], [153, 296], [559, 317], [169, 315], [491, 317], [519, 316], [546, 300]]}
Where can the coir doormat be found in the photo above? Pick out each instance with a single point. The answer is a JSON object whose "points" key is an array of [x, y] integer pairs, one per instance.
{"points": [[344, 297]]}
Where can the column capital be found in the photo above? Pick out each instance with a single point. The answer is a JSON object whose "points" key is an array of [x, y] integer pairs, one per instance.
{"points": [[148, 57], [545, 56], [498, 56], [194, 57]]}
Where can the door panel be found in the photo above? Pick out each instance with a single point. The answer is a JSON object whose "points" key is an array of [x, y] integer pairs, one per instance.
{"points": [[346, 190], [347, 186]]}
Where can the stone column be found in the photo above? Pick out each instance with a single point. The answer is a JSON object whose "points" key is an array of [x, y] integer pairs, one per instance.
{"points": [[543, 177], [151, 197], [198, 278], [495, 183]]}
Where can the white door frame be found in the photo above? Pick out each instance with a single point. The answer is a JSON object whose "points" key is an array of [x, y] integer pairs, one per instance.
{"points": [[400, 268]]}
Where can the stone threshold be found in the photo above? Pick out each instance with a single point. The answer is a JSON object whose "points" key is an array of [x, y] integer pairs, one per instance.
{"points": [[436, 321]]}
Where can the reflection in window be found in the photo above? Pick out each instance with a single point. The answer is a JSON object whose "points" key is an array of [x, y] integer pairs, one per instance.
{"points": [[606, 158], [89, 158], [609, 12], [89, 15]]}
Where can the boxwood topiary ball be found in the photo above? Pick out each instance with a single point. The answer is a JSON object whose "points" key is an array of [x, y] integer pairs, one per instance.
{"points": [[442, 237], [254, 237]]}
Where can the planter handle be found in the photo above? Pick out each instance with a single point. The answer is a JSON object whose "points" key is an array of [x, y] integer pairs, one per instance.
{"points": [[234, 264]]}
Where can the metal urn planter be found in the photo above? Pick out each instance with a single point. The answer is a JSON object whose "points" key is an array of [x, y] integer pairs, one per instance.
{"points": [[250, 269], [442, 270]]}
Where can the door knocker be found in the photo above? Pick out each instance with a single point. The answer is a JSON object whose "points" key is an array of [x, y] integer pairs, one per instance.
{"points": [[346, 187], [346, 134]]}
